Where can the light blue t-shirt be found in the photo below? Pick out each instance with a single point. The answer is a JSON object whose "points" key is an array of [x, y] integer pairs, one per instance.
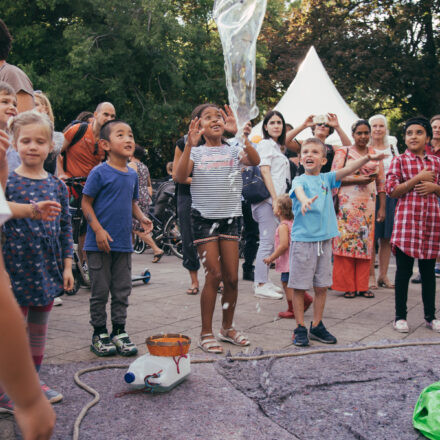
{"points": [[113, 192], [319, 223]]}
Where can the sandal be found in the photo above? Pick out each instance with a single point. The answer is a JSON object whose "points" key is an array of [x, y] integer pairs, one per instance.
{"points": [[238, 338], [209, 344], [382, 283], [192, 291], [157, 257], [367, 294], [349, 294]]}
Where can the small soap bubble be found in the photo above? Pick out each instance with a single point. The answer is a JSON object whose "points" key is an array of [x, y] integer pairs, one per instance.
{"points": [[225, 306]]}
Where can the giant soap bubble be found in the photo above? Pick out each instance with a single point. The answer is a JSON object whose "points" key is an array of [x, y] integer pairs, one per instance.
{"points": [[239, 23]]}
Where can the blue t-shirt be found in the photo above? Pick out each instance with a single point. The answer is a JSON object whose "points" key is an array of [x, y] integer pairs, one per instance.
{"points": [[113, 192], [319, 223]]}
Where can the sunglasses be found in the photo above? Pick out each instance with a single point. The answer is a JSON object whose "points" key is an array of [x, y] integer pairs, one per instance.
{"points": [[323, 124]]}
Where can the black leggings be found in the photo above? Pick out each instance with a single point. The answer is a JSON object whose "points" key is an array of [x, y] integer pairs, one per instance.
{"points": [[404, 270]]}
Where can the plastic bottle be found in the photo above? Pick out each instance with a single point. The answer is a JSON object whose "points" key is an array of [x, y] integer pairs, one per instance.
{"points": [[157, 373]]}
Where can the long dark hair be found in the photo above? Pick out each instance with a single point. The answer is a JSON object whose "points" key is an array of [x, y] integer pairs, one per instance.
{"points": [[282, 136]]}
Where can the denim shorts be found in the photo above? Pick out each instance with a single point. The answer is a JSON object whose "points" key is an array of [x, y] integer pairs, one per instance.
{"points": [[284, 277], [207, 229]]}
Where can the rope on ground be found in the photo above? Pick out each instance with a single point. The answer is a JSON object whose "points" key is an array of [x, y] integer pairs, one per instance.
{"points": [[97, 397]]}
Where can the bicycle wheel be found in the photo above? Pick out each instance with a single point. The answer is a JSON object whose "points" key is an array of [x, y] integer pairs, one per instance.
{"points": [[139, 245], [172, 236]]}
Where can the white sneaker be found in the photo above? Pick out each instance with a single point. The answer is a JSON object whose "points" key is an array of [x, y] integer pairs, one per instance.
{"points": [[57, 301], [401, 326], [265, 291], [274, 287], [434, 325]]}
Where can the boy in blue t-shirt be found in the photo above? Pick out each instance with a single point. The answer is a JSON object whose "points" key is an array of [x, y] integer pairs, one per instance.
{"points": [[313, 228], [109, 203]]}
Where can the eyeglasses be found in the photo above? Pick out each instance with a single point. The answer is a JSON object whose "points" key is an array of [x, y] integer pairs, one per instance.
{"points": [[323, 124]]}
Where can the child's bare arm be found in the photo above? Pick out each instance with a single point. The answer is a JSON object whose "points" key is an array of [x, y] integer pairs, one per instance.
{"points": [[185, 165], [426, 176], [283, 234], [354, 165], [250, 156], [139, 215], [102, 236], [306, 203], [46, 210], [17, 372]]}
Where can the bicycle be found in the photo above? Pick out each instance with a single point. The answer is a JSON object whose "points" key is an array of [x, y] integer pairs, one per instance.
{"points": [[75, 187], [167, 236]]}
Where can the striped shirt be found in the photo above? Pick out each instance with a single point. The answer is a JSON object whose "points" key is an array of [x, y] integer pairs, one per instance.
{"points": [[216, 181], [416, 229]]}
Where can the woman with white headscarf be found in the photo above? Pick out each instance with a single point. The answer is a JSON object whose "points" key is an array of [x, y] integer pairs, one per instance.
{"points": [[382, 143]]}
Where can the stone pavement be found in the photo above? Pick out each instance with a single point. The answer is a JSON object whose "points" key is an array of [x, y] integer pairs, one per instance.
{"points": [[162, 306]]}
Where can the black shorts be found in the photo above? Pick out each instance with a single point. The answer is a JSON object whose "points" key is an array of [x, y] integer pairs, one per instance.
{"points": [[207, 229]]}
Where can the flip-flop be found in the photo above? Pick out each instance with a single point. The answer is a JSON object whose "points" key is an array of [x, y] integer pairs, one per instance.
{"points": [[367, 294], [157, 257], [350, 295], [192, 291]]}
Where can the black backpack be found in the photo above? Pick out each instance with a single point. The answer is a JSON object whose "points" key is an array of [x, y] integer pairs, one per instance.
{"points": [[76, 138]]}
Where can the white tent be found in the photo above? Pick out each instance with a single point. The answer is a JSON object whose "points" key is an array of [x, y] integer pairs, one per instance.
{"points": [[312, 92]]}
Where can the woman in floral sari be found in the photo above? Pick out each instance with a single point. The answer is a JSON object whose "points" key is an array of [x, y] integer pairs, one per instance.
{"points": [[352, 250]]}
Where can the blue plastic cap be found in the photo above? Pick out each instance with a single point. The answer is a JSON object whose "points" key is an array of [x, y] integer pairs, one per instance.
{"points": [[129, 377]]}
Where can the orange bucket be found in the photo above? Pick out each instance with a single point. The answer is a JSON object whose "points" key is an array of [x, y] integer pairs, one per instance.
{"points": [[169, 344]]}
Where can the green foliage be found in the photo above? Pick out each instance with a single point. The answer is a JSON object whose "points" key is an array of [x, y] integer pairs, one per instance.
{"points": [[157, 59]]}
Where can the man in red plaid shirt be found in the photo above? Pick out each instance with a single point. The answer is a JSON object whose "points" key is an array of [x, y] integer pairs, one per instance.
{"points": [[414, 178]]}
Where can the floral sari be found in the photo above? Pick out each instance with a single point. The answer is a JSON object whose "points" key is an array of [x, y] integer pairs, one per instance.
{"points": [[357, 204]]}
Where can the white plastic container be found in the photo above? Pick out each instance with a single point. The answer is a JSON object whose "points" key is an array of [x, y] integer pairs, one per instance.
{"points": [[159, 374]]}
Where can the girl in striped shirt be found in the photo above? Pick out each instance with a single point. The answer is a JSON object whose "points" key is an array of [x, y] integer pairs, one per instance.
{"points": [[216, 206]]}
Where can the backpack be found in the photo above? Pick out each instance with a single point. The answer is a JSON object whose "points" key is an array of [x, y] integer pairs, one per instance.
{"points": [[76, 138]]}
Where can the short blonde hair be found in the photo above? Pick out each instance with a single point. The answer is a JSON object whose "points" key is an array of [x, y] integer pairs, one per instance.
{"points": [[44, 101], [284, 204], [28, 118]]}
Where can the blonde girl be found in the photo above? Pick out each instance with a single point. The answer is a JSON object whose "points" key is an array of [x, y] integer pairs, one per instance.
{"points": [[39, 252], [282, 208]]}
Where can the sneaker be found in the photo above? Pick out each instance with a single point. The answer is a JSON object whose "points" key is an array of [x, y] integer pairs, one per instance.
{"points": [[6, 405], [300, 336], [57, 301], [321, 334], [102, 345], [288, 314], [265, 291], [51, 395], [124, 345], [434, 325], [274, 287], [437, 272], [401, 326], [417, 279]]}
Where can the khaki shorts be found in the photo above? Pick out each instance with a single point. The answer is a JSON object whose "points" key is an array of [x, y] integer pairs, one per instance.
{"points": [[310, 264]]}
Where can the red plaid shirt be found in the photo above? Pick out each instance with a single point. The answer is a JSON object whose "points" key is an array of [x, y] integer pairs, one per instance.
{"points": [[416, 230]]}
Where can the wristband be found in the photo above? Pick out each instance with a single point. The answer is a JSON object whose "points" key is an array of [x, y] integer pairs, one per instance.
{"points": [[36, 211]]}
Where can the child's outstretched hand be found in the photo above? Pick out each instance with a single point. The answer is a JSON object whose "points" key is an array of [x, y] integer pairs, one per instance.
{"points": [[4, 144], [102, 240], [229, 118], [194, 132], [147, 224], [378, 156], [306, 204], [48, 210]]}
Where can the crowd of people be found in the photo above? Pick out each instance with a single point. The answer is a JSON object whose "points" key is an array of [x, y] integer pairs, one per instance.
{"points": [[329, 208]]}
